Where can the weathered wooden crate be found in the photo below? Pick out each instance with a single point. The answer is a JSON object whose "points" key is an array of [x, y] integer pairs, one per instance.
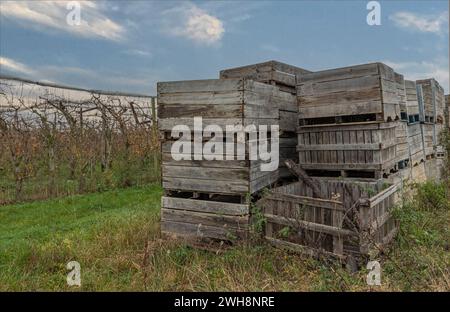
{"points": [[428, 135], [219, 102], [202, 219], [353, 149], [273, 72], [357, 93], [334, 224], [402, 148], [284, 77], [401, 93], [231, 177], [412, 103], [431, 101], [415, 143]]}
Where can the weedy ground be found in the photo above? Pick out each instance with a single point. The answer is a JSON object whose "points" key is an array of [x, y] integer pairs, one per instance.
{"points": [[115, 237]]}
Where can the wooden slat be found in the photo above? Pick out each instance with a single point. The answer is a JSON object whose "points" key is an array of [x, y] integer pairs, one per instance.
{"points": [[207, 186], [220, 208], [201, 231], [309, 225], [209, 85], [209, 219]]}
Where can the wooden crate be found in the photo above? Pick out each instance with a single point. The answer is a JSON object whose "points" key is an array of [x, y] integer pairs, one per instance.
{"points": [[328, 225], [401, 93], [431, 101], [284, 77], [232, 177], [428, 138], [412, 103], [401, 148], [200, 219], [415, 143], [220, 102], [350, 94], [351, 148], [272, 72]]}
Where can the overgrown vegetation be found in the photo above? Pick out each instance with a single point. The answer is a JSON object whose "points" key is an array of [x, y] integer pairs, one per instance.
{"points": [[56, 142], [115, 237]]}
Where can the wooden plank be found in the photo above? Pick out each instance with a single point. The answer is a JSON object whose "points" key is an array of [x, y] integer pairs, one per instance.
{"points": [[309, 225], [201, 110], [313, 88], [347, 147], [304, 200], [375, 200], [208, 85], [207, 186], [222, 174], [201, 98], [346, 166], [201, 231], [328, 107], [340, 73], [209, 206], [210, 219], [167, 159]]}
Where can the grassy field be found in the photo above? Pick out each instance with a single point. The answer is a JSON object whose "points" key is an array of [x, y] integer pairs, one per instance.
{"points": [[115, 237]]}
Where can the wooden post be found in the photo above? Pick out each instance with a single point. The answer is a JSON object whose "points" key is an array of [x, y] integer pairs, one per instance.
{"points": [[301, 174], [156, 166]]}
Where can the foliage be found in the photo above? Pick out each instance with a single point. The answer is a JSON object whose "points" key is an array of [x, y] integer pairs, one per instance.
{"points": [[55, 142]]}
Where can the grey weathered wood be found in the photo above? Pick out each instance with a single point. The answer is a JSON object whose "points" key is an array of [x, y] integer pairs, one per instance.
{"points": [[209, 219], [301, 174], [353, 146], [271, 71], [220, 208], [375, 224], [356, 90], [199, 231]]}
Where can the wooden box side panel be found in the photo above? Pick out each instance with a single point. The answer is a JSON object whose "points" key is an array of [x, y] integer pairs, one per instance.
{"points": [[200, 219], [362, 145], [356, 90]]}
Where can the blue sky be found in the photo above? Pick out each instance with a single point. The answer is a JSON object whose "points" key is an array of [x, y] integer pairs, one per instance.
{"points": [[130, 45]]}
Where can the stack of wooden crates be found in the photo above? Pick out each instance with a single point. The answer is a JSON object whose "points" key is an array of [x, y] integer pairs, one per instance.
{"points": [[349, 128], [415, 139], [349, 122], [431, 100], [211, 198], [284, 77]]}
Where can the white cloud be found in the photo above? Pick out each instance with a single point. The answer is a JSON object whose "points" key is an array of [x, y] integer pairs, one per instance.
{"points": [[437, 24], [44, 15], [137, 52], [437, 69], [7, 64], [193, 23], [87, 78]]}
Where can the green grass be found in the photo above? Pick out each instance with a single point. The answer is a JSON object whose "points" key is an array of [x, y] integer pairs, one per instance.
{"points": [[115, 237]]}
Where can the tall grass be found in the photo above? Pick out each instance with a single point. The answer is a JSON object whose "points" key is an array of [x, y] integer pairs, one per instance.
{"points": [[115, 237]]}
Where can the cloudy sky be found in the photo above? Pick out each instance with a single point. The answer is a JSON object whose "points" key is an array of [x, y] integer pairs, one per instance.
{"points": [[130, 45]]}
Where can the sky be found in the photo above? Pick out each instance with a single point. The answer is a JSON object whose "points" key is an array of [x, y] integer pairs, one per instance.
{"points": [[130, 45]]}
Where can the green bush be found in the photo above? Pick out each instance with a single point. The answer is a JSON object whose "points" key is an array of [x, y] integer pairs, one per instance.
{"points": [[432, 196]]}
